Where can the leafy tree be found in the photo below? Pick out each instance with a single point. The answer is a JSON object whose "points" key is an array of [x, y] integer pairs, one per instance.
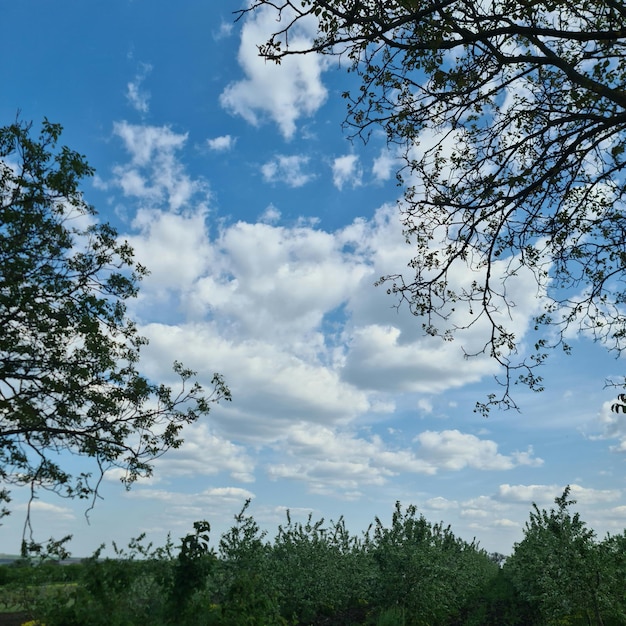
{"points": [[194, 563], [559, 568], [320, 571], [510, 116], [248, 596], [69, 354], [424, 569]]}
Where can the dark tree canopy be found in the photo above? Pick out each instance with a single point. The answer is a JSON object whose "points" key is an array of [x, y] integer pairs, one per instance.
{"points": [[511, 117], [69, 354]]}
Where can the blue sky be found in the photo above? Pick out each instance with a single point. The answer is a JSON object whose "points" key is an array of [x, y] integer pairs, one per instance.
{"points": [[265, 229]]}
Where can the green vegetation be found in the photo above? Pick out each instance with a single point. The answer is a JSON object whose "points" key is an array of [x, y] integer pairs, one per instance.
{"points": [[69, 383], [411, 573]]}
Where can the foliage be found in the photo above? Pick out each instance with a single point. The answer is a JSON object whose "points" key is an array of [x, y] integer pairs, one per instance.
{"points": [[126, 589], [249, 597], [411, 573], [498, 603], [68, 351], [193, 566], [319, 570], [424, 569], [510, 119], [561, 569]]}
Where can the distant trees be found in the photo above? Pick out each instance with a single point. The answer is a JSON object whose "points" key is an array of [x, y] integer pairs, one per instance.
{"points": [[510, 117], [69, 354]]}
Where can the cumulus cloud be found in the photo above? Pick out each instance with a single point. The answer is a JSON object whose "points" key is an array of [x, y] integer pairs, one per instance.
{"points": [[427, 365], [223, 143], [47, 510], [178, 509], [274, 387], [330, 459], [347, 171], [541, 494], [282, 93], [208, 495], [425, 405], [389, 350], [143, 142], [440, 504], [284, 283], [545, 494], [154, 173], [176, 250], [454, 450], [204, 453], [270, 215], [288, 170], [505, 523], [612, 426], [384, 165], [290, 316]]}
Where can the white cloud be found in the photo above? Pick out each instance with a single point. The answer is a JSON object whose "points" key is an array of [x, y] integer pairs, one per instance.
{"points": [[282, 284], [271, 215], [384, 165], [288, 170], [330, 459], [146, 142], [454, 450], [47, 510], [440, 504], [204, 453], [541, 494], [334, 461], [208, 495], [225, 30], [425, 405], [388, 349], [505, 523], [273, 387], [381, 358], [136, 96], [545, 494], [346, 170], [283, 93], [590, 496], [179, 508], [175, 248], [222, 143], [613, 426], [155, 173], [290, 317]]}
